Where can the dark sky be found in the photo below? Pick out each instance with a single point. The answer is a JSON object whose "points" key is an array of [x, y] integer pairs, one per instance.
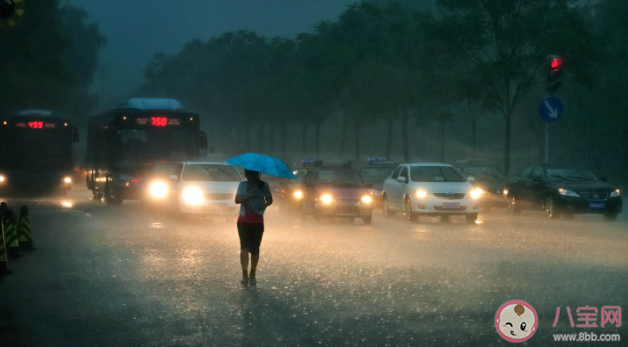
{"points": [[137, 29]]}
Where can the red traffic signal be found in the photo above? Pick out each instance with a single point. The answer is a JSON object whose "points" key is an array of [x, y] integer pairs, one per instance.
{"points": [[556, 63], [554, 70]]}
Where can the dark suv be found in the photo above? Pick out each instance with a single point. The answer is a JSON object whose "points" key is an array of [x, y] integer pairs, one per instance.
{"points": [[487, 177], [336, 192], [559, 189], [375, 171], [289, 193]]}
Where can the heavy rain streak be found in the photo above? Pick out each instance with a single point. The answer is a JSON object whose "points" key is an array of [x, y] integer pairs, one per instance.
{"points": [[313, 173]]}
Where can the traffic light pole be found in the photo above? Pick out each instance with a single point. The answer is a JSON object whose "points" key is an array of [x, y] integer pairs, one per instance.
{"points": [[554, 70], [547, 140]]}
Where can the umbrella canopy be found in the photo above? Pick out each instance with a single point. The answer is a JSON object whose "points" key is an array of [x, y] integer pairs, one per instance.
{"points": [[262, 163]]}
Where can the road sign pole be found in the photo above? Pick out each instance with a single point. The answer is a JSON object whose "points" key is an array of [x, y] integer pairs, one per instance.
{"points": [[547, 139], [546, 142]]}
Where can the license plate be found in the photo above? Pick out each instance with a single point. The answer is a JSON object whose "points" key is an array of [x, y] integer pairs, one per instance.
{"points": [[451, 205], [597, 205]]}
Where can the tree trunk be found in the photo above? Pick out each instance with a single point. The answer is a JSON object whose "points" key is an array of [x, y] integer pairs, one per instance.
{"points": [[405, 137], [247, 138], [389, 137], [356, 132], [318, 140], [442, 141], [260, 137], [507, 144], [272, 136], [282, 126], [303, 139], [474, 123], [343, 135], [238, 131]]}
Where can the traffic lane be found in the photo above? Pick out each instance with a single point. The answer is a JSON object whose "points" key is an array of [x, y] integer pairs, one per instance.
{"points": [[132, 277]]}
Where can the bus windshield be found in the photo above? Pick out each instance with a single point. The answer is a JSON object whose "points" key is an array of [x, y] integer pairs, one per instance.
{"points": [[48, 150], [145, 146]]}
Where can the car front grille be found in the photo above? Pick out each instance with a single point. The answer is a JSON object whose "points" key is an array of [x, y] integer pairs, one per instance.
{"points": [[219, 196], [594, 196], [449, 196], [456, 209], [350, 201]]}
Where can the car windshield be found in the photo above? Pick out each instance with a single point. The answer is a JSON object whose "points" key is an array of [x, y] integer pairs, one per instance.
{"points": [[436, 174], [339, 177], [300, 173], [569, 174], [376, 174], [211, 172], [164, 170], [483, 172]]}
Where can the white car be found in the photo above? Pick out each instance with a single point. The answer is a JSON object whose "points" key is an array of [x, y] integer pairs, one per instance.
{"points": [[430, 189], [204, 188]]}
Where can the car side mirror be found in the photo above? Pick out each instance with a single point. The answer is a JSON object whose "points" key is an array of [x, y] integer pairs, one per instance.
{"points": [[202, 140], [603, 179], [75, 134], [173, 178], [471, 179], [401, 179], [369, 186]]}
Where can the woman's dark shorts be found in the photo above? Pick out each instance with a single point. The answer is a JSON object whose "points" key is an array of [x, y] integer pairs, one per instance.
{"points": [[250, 236]]}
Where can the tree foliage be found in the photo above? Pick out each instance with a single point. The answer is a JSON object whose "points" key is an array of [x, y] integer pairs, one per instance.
{"points": [[49, 60]]}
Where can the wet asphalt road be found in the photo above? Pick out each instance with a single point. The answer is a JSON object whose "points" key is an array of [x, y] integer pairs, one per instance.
{"points": [[128, 276]]}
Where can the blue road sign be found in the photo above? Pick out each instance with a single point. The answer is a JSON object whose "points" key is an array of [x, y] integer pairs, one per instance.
{"points": [[551, 109]]}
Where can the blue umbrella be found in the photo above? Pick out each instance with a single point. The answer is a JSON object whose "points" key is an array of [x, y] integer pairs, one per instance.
{"points": [[262, 163]]}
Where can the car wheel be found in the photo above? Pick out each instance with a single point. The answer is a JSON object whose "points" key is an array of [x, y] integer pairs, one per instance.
{"points": [[111, 199], [610, 216], [407, 206], [513, 206], [367, 219], [550, 207], [386, 207], [471, 217]]}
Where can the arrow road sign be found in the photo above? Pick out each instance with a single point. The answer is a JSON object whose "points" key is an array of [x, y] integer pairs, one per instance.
{"points": [[551, 109]]}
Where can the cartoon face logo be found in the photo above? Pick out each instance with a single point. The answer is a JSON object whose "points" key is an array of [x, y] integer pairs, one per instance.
{"points": [[516, 321]]}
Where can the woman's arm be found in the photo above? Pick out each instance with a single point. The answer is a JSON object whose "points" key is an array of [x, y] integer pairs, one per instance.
{"points": [[269, 195]]}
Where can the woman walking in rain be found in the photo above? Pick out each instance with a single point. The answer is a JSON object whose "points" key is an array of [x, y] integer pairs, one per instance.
{"points": [[254, 196]]}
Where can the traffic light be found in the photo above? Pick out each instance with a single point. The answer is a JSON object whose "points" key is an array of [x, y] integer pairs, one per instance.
{"points": [[554, 70]]}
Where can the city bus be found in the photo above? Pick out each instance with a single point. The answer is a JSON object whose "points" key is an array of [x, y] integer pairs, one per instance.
{"points": [[124, 143], [36, 151]]}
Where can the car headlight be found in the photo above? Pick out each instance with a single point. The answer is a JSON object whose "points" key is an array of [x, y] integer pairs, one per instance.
{"points": [[476, 193], [158, 190], [298, 194], [2, 179], [192, 196], [567, 192], [67, 179], [505, 192], [375, 192], [326, 199], [615, 193], [421, 194], [366, 199]]}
